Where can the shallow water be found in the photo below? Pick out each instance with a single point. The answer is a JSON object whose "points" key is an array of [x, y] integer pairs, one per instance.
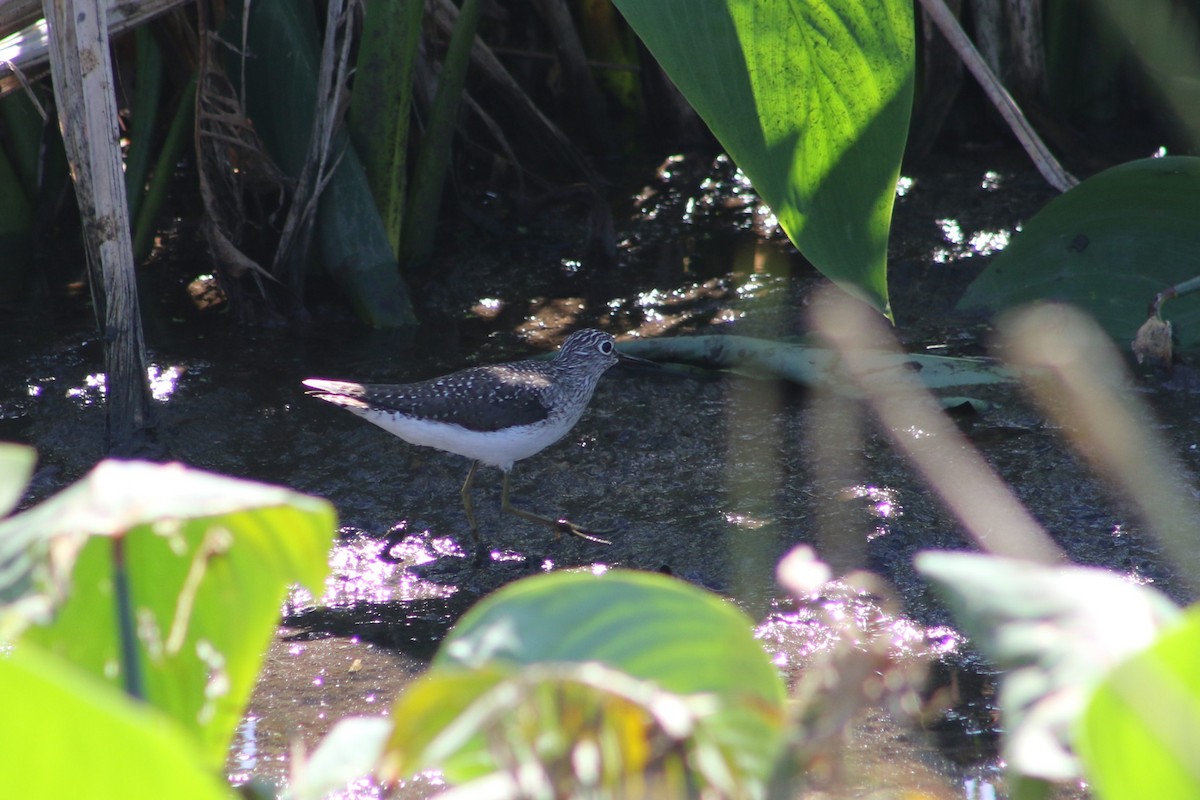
{"points": [[708, 477]]}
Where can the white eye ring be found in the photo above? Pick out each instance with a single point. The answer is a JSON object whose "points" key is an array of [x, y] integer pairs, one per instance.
{"points": [[606, 347]]}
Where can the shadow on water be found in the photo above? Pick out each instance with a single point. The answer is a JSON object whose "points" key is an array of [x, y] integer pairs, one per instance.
{"points": [[708, 478]]}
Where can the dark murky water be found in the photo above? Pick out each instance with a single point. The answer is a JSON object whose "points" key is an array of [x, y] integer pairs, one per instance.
{"points": [[708, 477]]}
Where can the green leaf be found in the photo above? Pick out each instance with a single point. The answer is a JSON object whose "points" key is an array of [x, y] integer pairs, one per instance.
{"points": [[16, 468], [281, 79], [1109, 245], [811, 98], [207, 561], [64, 733], [648, 626], [1055, 631], [1138, 736], [572, 725]]}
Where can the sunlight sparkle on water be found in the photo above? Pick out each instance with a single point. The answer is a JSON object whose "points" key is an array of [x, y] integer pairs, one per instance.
{"points": [[842, 613], [884, 500], [358, 575], [745, 521], [904, 185], [91, 392], [163, 381], [979, 243], [985, 243]]}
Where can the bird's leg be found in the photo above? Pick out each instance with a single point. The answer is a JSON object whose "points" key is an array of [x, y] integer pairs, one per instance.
{"points": [[560, 526], [480, 556]]}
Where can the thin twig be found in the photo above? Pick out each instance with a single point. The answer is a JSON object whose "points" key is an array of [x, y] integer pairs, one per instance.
{"points": [[1043, 159]]}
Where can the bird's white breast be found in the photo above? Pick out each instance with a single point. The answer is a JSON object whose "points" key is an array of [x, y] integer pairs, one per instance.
{"points": [[495, 448]]}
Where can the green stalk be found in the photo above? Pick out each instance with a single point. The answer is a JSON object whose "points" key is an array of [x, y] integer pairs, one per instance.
{"points": [[178, 136], [131, 665], [145, 113], [381, 105], [420, 222]]}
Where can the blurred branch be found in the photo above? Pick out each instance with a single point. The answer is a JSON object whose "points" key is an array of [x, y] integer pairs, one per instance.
{"points": [[1084, 392], [910, 415]]}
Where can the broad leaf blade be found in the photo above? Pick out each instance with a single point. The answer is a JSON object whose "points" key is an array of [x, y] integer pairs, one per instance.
{"points": [[208, 561], [64, 733], [647, 626], [574, 724], [1109, 245], [812, 99]]}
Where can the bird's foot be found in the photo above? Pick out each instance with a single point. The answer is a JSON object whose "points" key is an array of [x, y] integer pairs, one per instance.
{"points": [[562, 526]]}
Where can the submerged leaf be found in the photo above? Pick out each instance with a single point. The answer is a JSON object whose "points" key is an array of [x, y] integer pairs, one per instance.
{"points": [[806, 365]]}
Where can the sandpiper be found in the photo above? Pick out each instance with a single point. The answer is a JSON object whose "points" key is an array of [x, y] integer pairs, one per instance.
{"points": [[496, 414]]}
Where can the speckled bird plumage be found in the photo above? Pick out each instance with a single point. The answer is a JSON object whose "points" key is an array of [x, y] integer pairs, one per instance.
{"points": [[496, 414]]}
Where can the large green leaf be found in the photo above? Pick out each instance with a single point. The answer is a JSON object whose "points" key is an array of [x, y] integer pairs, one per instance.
{"points": [[1109, 245], [1055, 631], [580, 729], [1138, 737], [811, 98], [207, 561], [650, 627], [64, 733]]}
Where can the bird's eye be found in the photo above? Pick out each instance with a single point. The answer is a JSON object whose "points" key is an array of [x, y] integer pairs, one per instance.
{"points": [[606, 347]]}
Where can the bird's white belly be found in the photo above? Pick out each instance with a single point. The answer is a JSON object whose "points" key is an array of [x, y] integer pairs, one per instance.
{"points": [[494, 448]]}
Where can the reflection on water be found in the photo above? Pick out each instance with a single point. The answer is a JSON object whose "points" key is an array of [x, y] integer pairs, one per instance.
{"points": [[797, 631], [358, 575]]}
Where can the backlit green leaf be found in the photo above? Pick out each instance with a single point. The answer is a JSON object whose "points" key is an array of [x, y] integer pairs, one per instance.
{"points": [[811, 98], [1138, 736], [64, 733], [208, 561]]}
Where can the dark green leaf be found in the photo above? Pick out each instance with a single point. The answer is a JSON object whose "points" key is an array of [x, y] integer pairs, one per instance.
{"points": [[1109, 245]]}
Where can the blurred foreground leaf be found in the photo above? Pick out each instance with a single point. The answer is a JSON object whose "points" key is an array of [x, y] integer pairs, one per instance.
{"points": [[207, 560], [347, 753], [16, 467], [598, 680], [1138, 737], [1109, 245], [812, 99], [65, 733], [1055, 631]]}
